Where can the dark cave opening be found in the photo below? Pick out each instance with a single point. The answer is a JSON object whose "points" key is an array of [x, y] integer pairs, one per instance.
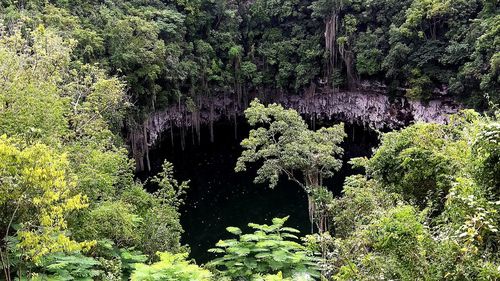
{"points": [[219, 197]]}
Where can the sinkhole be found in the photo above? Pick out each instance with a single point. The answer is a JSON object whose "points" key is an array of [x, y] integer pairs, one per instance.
{"points": [[219, 197]]}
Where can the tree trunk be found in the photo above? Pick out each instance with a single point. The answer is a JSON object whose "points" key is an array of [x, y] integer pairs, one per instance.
{"points": [[211, 118], [311, 209]]}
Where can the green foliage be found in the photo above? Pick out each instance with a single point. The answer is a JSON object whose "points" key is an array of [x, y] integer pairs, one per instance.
{"points": [[67, 180], [287, 147], [427, 210], [428, 213], [420, 86], [170, 267], [162, 49], [362, 201], [417, 162], [399, 231], [487, 154], [279, 277], [36, 195], [31, 105], [68, 267], [170, 192], [135, 49], [148, 222], [369, 56], [160, 228], [270, 249], [112, 220]]}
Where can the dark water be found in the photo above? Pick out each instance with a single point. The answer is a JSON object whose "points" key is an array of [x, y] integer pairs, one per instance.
{"points": [[218, 197]]}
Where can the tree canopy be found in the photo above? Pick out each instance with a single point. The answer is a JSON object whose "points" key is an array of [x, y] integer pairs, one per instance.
{"points": [[286, 147], [173, 51], [75, 75]]}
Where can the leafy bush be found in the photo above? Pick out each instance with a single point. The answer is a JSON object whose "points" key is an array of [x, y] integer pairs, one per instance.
{"points": [[68, 267], [270, 249], [388, 226], [416, 163], [170, 267]]}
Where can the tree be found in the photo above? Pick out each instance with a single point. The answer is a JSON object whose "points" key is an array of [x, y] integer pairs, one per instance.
{"points": [[287, 147], [30, 103], [36, 196], [136, 50], [416, 162], [66, 116], [148, 222]]}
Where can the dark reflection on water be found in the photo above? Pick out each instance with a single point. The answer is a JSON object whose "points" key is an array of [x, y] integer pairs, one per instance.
{"points": [[218, 197]]}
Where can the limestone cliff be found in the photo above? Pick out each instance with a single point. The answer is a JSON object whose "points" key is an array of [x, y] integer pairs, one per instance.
{"points": [[371, 109]]}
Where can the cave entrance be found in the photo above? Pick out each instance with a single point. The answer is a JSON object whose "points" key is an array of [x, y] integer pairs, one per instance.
{"points": [[219, 197]]}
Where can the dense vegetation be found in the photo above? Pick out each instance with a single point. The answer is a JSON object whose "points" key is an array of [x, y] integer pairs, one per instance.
{"points": [[427, 206], [180, 50], [67, 185]]}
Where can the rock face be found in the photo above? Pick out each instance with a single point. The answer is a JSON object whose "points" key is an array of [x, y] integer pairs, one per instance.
{"points": [[371, 109]]}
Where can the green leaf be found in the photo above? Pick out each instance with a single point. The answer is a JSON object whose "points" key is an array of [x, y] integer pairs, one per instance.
{"points": [[233, 230]]}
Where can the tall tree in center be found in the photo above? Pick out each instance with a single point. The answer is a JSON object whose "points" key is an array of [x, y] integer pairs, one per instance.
{"points": [[286, 146]]}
